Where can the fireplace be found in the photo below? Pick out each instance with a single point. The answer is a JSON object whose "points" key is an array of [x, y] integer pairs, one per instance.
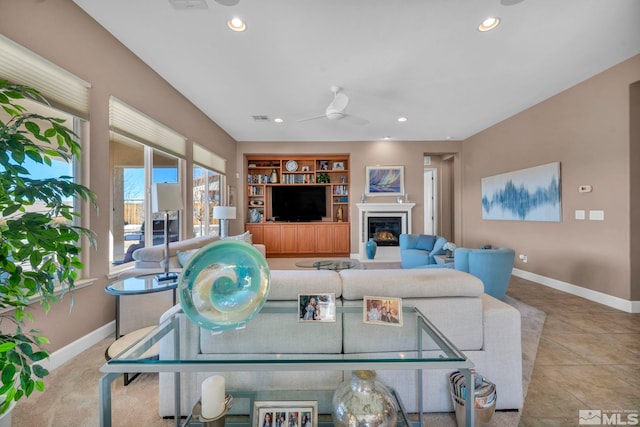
{"points": [[383, 222], [385, 231]]}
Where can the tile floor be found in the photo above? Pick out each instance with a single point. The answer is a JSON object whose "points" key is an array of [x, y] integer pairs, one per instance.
{"points": [[588, 358]]}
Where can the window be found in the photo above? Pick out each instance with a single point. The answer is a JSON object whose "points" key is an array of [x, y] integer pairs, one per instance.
{"points": [[58, 167], [207, 186], [142, 152], [69, 96]]}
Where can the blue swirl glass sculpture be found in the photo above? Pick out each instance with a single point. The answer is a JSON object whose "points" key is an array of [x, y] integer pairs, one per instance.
{"points": [[223, 285]]}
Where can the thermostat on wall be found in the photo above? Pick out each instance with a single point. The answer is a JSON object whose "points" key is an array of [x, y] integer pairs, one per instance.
{"points": [[584, 189]]}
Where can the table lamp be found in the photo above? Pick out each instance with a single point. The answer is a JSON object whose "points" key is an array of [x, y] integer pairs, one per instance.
{"points": [[224, 214], [166, 197]]}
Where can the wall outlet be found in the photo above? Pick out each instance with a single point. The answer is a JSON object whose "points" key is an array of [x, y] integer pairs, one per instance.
{"points": [[523, 258], [584, 189]]}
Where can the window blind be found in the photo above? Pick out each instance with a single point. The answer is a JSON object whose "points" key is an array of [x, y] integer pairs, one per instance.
{"points": [[209, 160], [131, 123], [62, 89]]}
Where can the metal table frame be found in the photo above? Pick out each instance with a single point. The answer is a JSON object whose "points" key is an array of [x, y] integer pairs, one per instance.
{"points": [[125, 362]]}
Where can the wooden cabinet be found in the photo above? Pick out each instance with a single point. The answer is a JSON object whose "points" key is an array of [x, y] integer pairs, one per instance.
{"points": [[329, 236], [265, 172], [322, 238]]}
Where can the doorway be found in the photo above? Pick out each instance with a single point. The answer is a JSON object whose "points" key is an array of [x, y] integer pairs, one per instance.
{"points": [[430, 201]]}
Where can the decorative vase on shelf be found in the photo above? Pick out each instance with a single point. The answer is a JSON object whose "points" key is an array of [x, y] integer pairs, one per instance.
{"points": [[339, 214], [371, 246], [274, 177], [364, 402]]}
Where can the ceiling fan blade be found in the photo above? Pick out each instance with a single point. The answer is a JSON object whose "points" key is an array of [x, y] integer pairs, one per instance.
{"points": [[312, 118], [227, 2], [356, 120], [340, 102]]}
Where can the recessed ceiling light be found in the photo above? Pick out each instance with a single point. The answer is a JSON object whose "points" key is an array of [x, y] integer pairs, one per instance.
{"points": [[236, 24], [489, 24], [278, 120], [402, 119]]}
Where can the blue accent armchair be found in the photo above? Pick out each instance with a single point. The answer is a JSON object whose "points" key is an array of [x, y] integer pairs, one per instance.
{"points": [[492, 266], [418, 249]]}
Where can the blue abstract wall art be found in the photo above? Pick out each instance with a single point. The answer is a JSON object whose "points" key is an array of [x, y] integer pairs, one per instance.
{"points": [[531, 194]]}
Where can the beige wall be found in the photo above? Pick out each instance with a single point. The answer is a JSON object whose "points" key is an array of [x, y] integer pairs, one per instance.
{"points": [[634, 193], [362, 154], [586, 129], [61, 32]]}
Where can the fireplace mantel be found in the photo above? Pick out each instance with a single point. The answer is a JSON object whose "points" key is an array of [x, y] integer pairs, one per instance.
{"points": [[368, 210]]}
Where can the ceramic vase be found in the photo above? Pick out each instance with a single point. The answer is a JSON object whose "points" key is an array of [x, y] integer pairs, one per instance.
{"points": [[371, 246], [364, 402]]}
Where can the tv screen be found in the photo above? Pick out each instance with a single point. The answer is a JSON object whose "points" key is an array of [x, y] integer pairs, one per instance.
{"points": [[298, 203]]}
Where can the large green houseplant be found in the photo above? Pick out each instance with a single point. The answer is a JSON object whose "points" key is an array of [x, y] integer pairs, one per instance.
{"points": [[39, 250]]}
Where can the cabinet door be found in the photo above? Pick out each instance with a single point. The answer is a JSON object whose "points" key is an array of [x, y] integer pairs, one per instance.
{"points": [[306, 239], [272, 239], [289, 236], [256, 233], [341, 239], [324, 238]]}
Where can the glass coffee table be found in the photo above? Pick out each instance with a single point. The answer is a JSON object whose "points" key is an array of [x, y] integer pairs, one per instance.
{"points": [[421, 333], [329, 264]]}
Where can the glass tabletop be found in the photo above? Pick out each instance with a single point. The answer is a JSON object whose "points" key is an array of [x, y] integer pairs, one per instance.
{"points": [[139, 285], [422, 344], [328, 264]]}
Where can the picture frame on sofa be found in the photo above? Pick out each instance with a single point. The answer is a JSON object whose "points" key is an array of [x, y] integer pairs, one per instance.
{"points": [[317, 307], [285, 413], [384, 311]]}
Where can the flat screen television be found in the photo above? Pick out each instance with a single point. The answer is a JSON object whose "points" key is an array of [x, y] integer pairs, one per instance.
{"points": [[298, 203]]}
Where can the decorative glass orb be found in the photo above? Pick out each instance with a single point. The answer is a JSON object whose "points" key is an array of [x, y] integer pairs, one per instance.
{"points": [[223, 285]]}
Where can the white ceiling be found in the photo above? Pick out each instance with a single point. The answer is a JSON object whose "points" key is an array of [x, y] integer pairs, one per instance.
{"points": [[423, 59]]}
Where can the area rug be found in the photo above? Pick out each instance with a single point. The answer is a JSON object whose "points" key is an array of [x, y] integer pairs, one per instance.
{"points": [[71, 395], [532, 323]]}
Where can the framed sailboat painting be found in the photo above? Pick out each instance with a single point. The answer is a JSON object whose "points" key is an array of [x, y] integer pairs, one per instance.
{"points": [[384, 181]]}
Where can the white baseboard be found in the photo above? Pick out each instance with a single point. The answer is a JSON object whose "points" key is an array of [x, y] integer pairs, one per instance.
{"points": [[599, 297], [68, 352]]}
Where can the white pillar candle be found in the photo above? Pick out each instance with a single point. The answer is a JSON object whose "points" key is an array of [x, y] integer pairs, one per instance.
{"points": [[212, 400]]}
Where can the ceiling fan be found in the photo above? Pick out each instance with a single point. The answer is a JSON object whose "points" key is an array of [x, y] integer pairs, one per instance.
{"points": [[227, 2], [336, 110]]}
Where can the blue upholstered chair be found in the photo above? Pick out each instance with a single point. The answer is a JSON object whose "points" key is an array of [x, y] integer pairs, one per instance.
{"points": [[492, 266], [418, 249]]}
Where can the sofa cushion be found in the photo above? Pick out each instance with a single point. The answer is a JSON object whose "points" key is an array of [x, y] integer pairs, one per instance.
{"points": [[277, 333], [184, 256], [286, 285], [426, 242], [244, 237], [411, 283], [156, 253]]}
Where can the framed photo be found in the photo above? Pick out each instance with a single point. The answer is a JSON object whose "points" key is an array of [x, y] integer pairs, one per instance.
{"points": [[338, 166], [305, 168], [324, 165], [384, 181], [382, 311], [317, 307], [293, 413]]}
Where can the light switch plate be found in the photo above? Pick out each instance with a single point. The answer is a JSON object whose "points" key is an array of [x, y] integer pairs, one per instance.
{"points": [[580, 214], [596, 215]]}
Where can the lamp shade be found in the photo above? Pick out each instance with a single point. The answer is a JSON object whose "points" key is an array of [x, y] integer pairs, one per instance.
{"points": [[166, 197], [224, 212]]}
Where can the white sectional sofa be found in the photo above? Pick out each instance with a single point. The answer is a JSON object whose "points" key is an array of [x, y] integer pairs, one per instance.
{"points": [[485, 329], [151, 260]]}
